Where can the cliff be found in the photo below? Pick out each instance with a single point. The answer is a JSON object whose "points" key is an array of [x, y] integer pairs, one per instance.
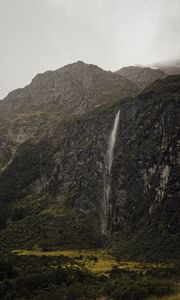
{"points": [[52, 188]]}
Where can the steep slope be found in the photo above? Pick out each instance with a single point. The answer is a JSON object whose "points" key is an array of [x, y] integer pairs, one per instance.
{"points": [[73, 89], [54, 187], [34, 111], [146, 173], [142, 76]]}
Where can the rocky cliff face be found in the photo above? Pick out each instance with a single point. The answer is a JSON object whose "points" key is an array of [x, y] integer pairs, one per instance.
{"points": [[73, 89], [55, 96], [145, 186], [54, 185]]}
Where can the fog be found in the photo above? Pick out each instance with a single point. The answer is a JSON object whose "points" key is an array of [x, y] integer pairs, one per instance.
{"points": [[38, 35]]}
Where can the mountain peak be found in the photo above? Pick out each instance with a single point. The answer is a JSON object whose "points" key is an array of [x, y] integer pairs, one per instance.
{"points": [[73, 89]]}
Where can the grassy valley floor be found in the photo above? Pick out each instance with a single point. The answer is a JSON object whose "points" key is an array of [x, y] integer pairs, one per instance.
{"points": [[98, 261], [84, 274]]}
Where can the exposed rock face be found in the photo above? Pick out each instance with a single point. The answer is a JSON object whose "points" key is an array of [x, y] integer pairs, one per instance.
{"points": [[73, 89], [146, 169], [143, 77], [66, 165], [55, 96]]}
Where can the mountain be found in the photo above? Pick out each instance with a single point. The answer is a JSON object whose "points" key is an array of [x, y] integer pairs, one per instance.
{"points": [[55, 96], [34, 119], [73, 89], [89, 187], [54, 177], [170, 70], [142, 76]]}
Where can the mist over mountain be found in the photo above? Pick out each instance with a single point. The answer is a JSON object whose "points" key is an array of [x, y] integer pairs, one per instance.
{"points": [[170, 67], [142, 76]]}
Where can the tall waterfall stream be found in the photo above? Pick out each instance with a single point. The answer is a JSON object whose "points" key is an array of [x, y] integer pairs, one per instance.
{"points": [[107, 181]]}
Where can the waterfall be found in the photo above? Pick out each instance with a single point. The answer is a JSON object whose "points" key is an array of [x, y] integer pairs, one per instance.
{"points": [[107, 180], [112, 141]]}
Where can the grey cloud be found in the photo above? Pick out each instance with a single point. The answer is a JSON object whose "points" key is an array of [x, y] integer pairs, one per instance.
{"points": [[37, 35]]}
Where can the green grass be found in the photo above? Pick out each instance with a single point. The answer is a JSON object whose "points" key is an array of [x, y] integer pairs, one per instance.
{"points": [[98, 261], [83, 274]]}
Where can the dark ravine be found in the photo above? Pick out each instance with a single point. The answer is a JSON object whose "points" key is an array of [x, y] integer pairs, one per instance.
{"points": [[52, 180]]}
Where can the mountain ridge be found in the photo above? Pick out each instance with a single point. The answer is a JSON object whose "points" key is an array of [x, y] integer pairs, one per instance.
{"points": [[142, 76], [78, 86], [62, 183]]}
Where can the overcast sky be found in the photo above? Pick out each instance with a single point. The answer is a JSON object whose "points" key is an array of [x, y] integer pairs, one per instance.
{"points": [[38, 35]]}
